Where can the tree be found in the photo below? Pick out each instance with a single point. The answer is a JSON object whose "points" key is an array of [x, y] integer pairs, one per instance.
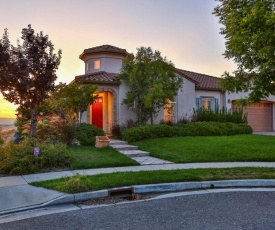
{"points": [[72, 100], [28, 71], [250, 42], [152, 80]]}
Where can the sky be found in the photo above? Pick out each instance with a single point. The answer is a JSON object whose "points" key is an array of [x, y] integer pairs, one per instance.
{"points": [[184, 31]]}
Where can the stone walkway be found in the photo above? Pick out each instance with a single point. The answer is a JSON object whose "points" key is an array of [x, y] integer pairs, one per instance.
{"points": [[134, 153]]}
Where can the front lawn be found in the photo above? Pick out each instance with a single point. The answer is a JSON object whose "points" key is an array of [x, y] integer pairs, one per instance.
{"points": [[80, 183], [86, 157], [211, 149]]}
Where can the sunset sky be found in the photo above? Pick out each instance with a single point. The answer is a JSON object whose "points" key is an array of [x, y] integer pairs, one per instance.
{"points": [[185, 31]]}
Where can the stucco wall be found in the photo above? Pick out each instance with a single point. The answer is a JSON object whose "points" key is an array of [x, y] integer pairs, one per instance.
{"points": [[186, 100], [124, 112], [234, 96], [107, 64]]}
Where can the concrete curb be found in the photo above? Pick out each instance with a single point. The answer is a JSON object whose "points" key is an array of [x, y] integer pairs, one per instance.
{"points": [[152, 188]]}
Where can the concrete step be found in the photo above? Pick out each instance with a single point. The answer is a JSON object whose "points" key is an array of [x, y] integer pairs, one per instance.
{"points": [[150, 160], [118, 142], [125, 147], [134, 153]]}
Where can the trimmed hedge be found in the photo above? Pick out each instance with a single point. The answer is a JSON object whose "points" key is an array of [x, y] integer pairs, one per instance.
{"points": [[86, 133], [181, 130]]}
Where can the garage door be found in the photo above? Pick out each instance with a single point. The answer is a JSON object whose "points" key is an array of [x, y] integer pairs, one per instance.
{"points": [[260, 117]]}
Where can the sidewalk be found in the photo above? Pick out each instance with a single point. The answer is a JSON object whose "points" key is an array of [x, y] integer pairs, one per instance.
{"points": [[16, 194]]}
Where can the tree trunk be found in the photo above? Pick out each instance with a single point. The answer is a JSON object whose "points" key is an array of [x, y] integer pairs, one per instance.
{"points": [[152, 119], [80, 117], [33, 121]]}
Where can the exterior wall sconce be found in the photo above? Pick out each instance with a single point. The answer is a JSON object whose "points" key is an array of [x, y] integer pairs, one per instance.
{"points": [[228, 101]]}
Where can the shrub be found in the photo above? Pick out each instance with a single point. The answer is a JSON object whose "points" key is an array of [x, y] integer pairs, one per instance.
{"points": [[20, 158], [190, 129], [56, 130], [221, 115], [118, 129], [21, 123], [86, 133], [76, 185]]}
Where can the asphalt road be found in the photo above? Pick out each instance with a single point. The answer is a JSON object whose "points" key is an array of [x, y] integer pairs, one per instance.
{"points": [[230, 210]]}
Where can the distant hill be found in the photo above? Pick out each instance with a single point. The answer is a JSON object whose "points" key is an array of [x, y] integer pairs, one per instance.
{"points": [[7, 121]]}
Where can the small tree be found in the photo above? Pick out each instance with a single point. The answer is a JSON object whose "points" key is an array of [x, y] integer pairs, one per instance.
{"points": [[72, 100], [151, 79], [249, 33], [28, 71]]}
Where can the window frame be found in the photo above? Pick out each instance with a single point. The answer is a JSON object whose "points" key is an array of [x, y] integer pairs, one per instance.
{"points": [[168, 116]]}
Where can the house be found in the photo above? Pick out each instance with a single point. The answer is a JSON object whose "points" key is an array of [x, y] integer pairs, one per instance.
{"points": [[102, 67]]}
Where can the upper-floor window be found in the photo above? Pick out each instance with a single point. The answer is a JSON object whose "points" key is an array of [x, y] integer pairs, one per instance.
{"points": [[97, 64]]}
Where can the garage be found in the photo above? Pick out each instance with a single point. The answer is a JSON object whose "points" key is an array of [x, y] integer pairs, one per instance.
{"points": [[260, 117]]}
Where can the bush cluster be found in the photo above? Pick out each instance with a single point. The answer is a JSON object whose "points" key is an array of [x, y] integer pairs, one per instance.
{"points": [[118, 129], [86, 133], [56, 130], [190, 129], [221, 115], [20, 158]]}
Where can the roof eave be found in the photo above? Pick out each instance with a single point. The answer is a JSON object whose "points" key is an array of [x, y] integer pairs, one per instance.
{"points": [[208, 89], [87, 52], [101, 82]]}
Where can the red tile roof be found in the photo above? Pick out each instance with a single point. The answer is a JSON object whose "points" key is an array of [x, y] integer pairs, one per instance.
{"points": [[99, 78], [104, 49], [202, 81]]}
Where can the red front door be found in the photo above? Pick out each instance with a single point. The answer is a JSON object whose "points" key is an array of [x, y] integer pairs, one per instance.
{"points": [[97, 113]]}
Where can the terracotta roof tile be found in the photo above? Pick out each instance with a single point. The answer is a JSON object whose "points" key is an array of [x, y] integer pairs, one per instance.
{"points": [[104, 49], [202, 81], [99, 77]]}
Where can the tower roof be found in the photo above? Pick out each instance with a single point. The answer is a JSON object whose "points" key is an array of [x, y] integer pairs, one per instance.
{"points": [[104, 49]]}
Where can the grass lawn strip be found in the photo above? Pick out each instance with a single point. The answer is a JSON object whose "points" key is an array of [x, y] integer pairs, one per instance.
{"points": [[239, 148], [81, 183], [87, 157]]}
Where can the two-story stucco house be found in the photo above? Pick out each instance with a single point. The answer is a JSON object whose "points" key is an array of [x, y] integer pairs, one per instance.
{"points": [[102, 67]]}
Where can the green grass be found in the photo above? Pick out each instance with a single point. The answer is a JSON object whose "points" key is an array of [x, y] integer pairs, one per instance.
{"points": [[211, 149], [80, 183], [85, 157]]}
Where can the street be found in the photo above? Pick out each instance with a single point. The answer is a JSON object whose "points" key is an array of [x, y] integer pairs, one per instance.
{"points": [[224, 210]]}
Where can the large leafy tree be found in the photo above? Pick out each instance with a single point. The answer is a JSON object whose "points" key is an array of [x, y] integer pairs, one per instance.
{"points": [[28, 71], [70, 101], [250, 41], [151, 80]]}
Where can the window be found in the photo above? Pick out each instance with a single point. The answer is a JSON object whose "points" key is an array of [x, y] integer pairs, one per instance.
{"points": [[170, 112], [207, 103], [97, 64]]}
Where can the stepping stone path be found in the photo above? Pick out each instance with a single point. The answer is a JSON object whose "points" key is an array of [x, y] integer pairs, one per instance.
{"points": [[133, 152]]}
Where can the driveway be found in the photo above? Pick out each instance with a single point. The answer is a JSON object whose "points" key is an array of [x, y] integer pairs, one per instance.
{"points": [[265, 133]]}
